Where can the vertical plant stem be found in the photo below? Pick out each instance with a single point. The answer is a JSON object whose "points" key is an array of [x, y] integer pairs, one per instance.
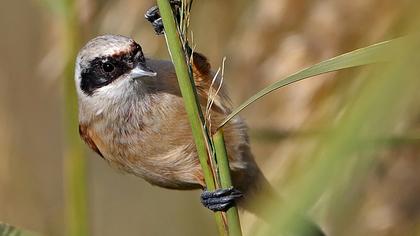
{"points": [[187, 87], [234, 225], [74, 160]]}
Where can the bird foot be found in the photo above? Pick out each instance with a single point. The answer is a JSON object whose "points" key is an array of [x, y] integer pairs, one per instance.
{"points": [[153, 16], [220, 199]]}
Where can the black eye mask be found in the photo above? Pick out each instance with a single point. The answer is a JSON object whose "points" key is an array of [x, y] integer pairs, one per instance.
{"points": [[104, 70]]}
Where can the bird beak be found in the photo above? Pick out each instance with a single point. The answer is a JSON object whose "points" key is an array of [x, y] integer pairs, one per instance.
{"points": [[141, 70]]}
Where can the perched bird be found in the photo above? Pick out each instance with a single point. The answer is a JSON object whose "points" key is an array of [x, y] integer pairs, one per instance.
{"points": [[131, 113]]}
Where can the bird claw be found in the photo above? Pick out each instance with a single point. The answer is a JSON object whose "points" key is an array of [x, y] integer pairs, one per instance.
{"points": [[154, 17], [220, 199]]}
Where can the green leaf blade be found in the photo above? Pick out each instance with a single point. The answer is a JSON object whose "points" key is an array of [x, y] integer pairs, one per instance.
{"points": [[8, 230], [380, 52]]}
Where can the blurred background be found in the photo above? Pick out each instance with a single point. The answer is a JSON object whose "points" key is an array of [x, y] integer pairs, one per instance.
{"points": [[263, 41]]}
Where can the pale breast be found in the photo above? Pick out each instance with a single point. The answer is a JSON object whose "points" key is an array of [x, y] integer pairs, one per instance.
{"points": [[155, 144]]}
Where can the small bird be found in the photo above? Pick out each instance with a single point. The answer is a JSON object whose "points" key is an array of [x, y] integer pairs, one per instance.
{"points": [[131, 113]]}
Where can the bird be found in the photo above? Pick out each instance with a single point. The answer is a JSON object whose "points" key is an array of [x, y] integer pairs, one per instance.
{"points": [[132, 114]]}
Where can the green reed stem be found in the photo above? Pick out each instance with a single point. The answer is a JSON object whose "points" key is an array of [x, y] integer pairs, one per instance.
{"points": [[188, 91], [234, 226], [74, 158]]}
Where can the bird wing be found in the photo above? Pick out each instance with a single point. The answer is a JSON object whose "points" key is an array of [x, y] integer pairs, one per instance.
{"points": [[84, 134], [203, 78]]}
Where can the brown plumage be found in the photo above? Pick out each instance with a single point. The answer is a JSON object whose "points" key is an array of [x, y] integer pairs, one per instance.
{"points": [[140, 125], [86, 135], [132, 114]]}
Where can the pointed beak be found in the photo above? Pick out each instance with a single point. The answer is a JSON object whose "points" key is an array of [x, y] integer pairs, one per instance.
{"points": [[141, 70]]}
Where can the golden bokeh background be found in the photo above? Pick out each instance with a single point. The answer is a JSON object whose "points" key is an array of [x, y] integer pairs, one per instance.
{"points": [[264, 41]]}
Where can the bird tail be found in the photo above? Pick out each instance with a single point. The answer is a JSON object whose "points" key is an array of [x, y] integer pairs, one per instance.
{"points": [[257, 190]]}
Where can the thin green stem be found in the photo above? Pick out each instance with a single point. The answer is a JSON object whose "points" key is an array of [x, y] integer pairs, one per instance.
{"points": [[74, 159], [192, 105], [234, 225]]}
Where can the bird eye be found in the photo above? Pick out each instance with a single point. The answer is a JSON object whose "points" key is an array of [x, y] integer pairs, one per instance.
{"points": [[108, 67]]}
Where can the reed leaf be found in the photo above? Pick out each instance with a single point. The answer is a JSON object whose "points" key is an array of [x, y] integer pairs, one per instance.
{"points": [[388, 93], [8, 230], [379, 52]]}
